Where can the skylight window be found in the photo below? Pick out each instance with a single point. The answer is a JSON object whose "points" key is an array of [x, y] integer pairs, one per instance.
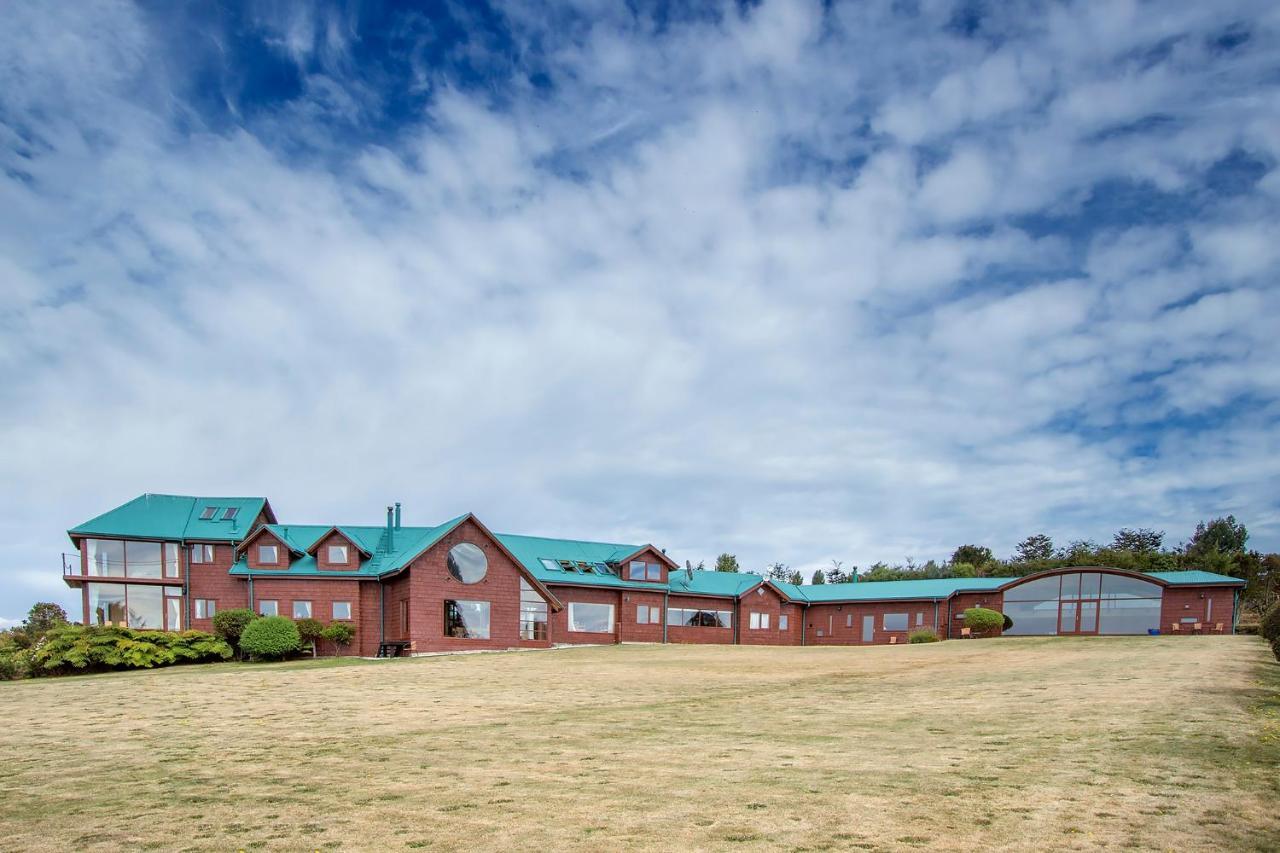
{"points": [[230, 513], [603, 569], [208, 513], [549, 565], [585, 568], [567, 565]]}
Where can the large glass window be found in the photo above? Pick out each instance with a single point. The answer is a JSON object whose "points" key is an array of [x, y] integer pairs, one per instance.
{"points": [[533, 613], [895, 622], [173, 613], [635, 571], [172, 566], [1040, 589], [143, 559], [467, 563], [654, 572], [146, 607], [466, 620], [590, 618], [106, 603], [1127, 605], [690, 618], [1119, 586], [1032, 618]]}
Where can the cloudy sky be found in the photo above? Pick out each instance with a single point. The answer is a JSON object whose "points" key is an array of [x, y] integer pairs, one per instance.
{"points": [[792, 280]]}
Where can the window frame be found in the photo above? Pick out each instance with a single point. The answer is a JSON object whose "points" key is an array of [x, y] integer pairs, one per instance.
{"points": [[275, 606], [205, 553], [636, 570], [906, 621], [653, 572], [333, 611], [208, 513], [275, 555], [488, 618], [344, 549], [783, 621], [205, 608], [573, 605], [294, 608]]}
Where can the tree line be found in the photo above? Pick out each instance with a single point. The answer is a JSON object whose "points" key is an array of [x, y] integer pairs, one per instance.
{"points": [[1219, 545]]}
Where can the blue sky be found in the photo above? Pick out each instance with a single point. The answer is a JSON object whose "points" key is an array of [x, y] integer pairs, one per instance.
{"points": [[798, 281]]}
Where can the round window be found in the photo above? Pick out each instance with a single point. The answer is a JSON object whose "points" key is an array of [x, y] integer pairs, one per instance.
{"points": [[467, 562]]}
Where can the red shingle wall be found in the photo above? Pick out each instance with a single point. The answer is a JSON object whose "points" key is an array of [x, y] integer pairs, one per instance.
{"points": [[431, 585], [266, 537], [841, 624], [560, 632], [682, 634], [211, 580], [368, 609], [322, 554], [1208, 604], [648, 555], [398, 589], [321, 593], [631, 629], [962, 602], [765, 599]]}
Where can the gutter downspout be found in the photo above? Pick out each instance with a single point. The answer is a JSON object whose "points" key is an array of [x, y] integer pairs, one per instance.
{"points": [[1235, 608], [804, 617], [382, 607], [251, 590], [666, 606], [935, 616], [737, 620]]}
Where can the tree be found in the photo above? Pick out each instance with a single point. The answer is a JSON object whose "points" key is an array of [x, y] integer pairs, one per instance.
{"points": [[727, 563], [1222, 536], [796, 578], [976, 555], [1141, 541], [42, 616], [818, 578], [836, 573], [777, 571], [1035, 547], [1079, 552]]}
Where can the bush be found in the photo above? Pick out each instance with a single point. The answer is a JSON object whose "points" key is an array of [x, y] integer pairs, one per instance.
{"points": [[89, 648], [270, 638], [1269, 628], [980, 620], [15, 660], [339, 633], [922, 635], [309, 629], [1275, 648], [230, 624]]}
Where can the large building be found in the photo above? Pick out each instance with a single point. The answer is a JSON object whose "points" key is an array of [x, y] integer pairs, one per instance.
{"points": [[171, 562]]}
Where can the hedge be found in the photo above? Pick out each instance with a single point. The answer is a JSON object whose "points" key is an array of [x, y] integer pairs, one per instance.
{"points": [[270, 638], [88, 648], [981, 620]]}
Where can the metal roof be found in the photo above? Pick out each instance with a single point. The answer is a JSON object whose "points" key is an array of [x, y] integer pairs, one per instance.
{"points": [[175, 517]]}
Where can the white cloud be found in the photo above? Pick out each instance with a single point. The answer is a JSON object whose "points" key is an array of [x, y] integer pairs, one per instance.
{"points": [[701, 292]]}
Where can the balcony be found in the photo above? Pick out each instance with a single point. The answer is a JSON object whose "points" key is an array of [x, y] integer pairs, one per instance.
{"points": [[75, 576]]}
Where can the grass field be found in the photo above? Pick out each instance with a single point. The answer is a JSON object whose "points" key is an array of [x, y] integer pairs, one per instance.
{"points": [[1141, 743]]}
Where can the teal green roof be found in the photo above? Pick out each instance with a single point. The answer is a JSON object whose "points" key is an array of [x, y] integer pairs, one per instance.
{"points": [[731, 584], [1195, 576], [406, 544], [897, 590], [532, 550], [174, 517]]}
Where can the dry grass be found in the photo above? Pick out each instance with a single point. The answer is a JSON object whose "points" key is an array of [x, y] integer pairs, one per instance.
{"points": [[1144, 743]]}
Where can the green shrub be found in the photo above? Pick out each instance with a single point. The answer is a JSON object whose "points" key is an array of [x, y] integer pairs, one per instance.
{"points": [[87, 648], [980, 620], [922, 635], [15, 660], [339, 633], [230, 624], [270, 638], [309, 629], [1269, 627]]}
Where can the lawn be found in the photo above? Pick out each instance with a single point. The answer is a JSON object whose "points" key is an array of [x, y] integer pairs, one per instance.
{"points": [[1137, 743]]}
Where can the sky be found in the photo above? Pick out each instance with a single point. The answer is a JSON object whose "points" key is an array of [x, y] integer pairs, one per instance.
{"points": [[796, 281]]}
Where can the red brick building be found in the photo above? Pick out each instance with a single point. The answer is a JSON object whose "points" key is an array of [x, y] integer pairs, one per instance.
{"points": [[171, 562]]}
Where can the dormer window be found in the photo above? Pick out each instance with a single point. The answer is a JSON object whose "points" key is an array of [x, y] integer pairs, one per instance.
{"points": [[337, 553], [267, 554], [635, 572], [655, 572], [208, 513], [230, 513]]}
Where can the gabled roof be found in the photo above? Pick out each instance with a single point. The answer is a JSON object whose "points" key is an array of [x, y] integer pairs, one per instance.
{"points": [[385, 557], [530, 551], [350, 536], [176, 517]]}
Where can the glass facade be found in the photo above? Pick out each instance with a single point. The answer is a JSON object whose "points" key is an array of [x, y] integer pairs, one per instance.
{"points": [[895, 621], [152, 608], [689, 618], [116, 558], [466, 620], [533, 613], [1083, 603]]}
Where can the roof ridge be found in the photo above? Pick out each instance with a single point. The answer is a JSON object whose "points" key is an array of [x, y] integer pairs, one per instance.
{"points": [[584, 541]]}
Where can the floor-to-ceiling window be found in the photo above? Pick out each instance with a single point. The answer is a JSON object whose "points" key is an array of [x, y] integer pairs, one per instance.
{"points": [[1083, 603], [135, 605], [117, 558]]}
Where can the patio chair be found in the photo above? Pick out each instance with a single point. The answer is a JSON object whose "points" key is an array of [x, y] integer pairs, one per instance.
{"points": [[966, 633]]}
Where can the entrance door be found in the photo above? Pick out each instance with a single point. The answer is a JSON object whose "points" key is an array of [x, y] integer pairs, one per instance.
{"points": [[868, 629], [1078, 617]]}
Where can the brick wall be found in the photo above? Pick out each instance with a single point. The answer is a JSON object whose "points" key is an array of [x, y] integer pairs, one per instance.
{"points": [[560, 632], [650, 556], [842, 624], [266, 537], [321, 593], [322, 554], [962, 602], [430, 585], [212, 581], [1209, 605], [630, 628], [766, 600]]}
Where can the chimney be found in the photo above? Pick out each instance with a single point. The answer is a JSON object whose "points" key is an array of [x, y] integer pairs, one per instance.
{"points": [[397, 515], [390, 534]]}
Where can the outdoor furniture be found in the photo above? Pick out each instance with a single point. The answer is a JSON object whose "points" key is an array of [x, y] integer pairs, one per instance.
{"points": [[1219, 627], [966, 633], [1197, 627], [391, 650], [893, 641], [1175, 628]]}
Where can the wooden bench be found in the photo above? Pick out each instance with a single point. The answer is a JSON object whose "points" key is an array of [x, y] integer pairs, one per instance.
{"points": [[391, 650]]}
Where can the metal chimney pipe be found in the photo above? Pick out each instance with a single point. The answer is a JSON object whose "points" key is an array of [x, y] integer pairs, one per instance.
{"points": [[390, 533], [397, 515]]}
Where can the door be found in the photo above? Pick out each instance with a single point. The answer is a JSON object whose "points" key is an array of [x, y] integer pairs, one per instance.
{"points": [[868, 629], [1078, 617]]}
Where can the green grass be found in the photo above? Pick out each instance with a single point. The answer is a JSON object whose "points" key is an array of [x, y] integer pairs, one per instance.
{"points": [[1118, 743]]}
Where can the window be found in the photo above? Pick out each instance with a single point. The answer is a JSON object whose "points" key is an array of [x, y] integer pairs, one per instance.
{"points": [[549, 565], [635, 571], [206, 608], [404, 618], [603, 568], [267, 554], [848, 620], [919, 618], [759, 621], [173, 612], [337, 553], [105, 557], [782, 622], [588, 618], [466, 620], [533, 613], [302, 610], [342, 610], [895, 622], [172, 566], [646, 615], [267, 607], [688, 618], [654, 572], [106, 603], [146, 607], [208, 513], [467, 563], [202, 553], [230, 513], [655, 615]]}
